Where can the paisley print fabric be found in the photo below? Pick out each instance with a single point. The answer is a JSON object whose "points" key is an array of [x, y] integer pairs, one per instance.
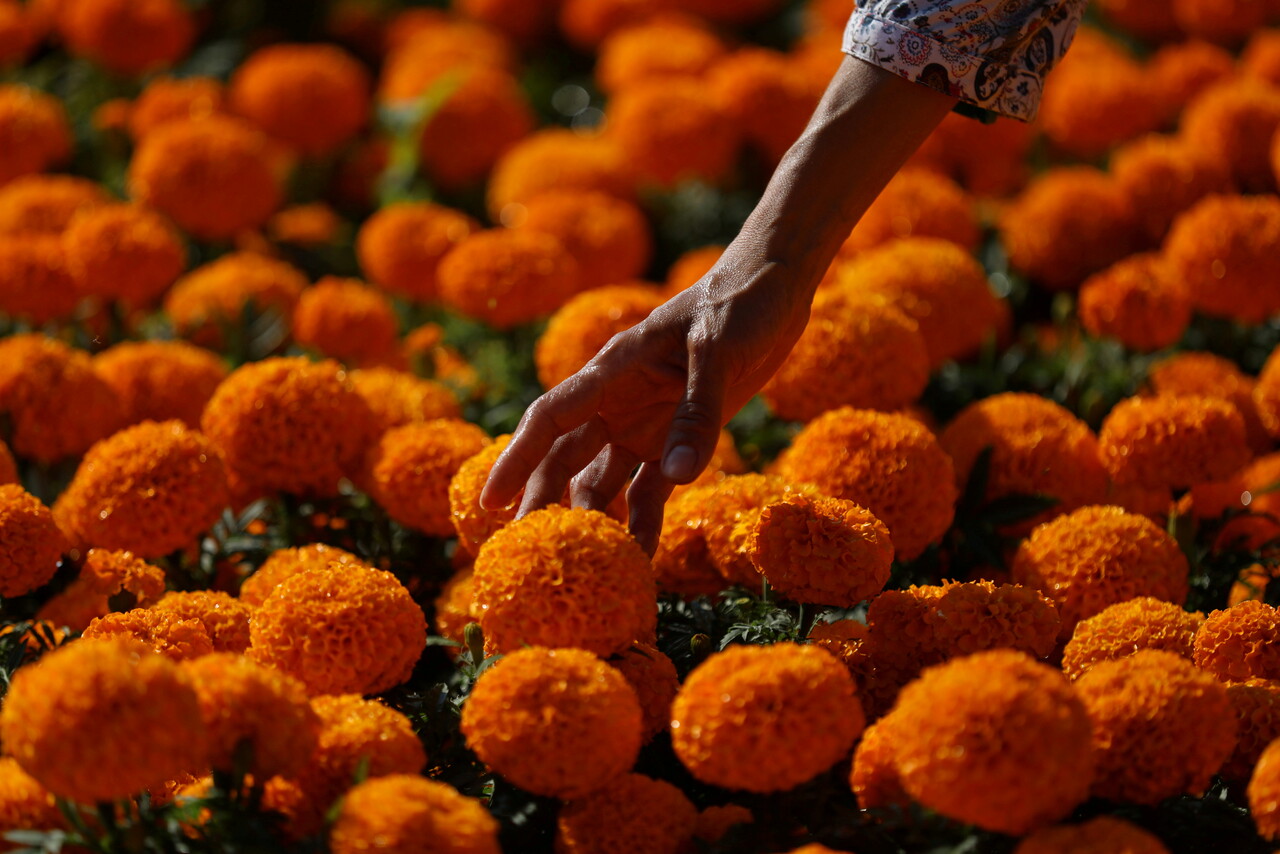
{"points": [[992, 54]]}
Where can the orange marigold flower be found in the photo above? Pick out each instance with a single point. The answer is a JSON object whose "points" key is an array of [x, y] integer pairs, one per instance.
{"points": [[728, 520], [585, 323], [825, 551], [1161, 726], [314, 224], [986, 159], [410, 468], [289, 425], [374, 634], [224, 617], [874, 778], [313, 97], [401, 245], [168, 99], [409, 813], [286, 563], [557, 722], [1164, 176], [214, 178], [716, 821], [171, 635], [522, 21], [32, 542], [916, 203], [1122, 629], [1257, 707], [586, 23], [661, 48], [633, 813], [1266, 395], [35, 282], [888, 463], [1139, 301], [123, 252], [455, 606], [1238, 643], [24, 803], [20, 33], [734, 722], [1224, 249], [103, 575], [1151, 20], [1208, 375], [1097, 556], [218, 294], [609, 237], [161, 380], [473, 523], [243, 703], [34, 132], [132, 720], [398, 398], [857, 350], [432, 37], [653, 677], [1098, 99], [686, 270], [1261, 56], [1226, 22], [129, 37], [1234, 122], [1013, 751], [1103, 833], [46, 203], [1068, 223], [557, 159], [682, 563], [347, 320], [561, 577], [1264, 792], [507, 277], [1173, 441], [1036, 448], [672, 130], [1183, 70], [767, 95], [151, 489], [38, 376]]}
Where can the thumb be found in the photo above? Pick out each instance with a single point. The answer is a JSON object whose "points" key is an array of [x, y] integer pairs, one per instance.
{"points": [[695, 428]]}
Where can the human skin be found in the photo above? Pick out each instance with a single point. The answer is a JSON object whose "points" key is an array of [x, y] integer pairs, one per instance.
{"points": [[653, 400]]}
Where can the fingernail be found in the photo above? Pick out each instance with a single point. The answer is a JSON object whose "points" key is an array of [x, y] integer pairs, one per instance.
{"points": [[679, 463]]}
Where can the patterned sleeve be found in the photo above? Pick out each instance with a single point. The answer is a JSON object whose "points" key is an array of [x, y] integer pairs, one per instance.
{"points": [[991, 54]]}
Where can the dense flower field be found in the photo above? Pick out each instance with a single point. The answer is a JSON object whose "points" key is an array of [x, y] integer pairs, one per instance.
{"points": [[985, 568]]}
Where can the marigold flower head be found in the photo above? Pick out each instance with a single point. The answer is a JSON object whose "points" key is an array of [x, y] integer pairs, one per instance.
{"points": [[888, 463], [1013, 751], [734, 722], [38, 376], [1161, 726], [1183, 70], [290, 425], [286, 563], [1097, 100], [218, 293], [34, 132], [214, 178], [169, 99], [1234, 122], [35, 283], [398, 398], [653, 677], [564, 578], [1139, 301], [986, 159], [1122, 629], [660, 48], [507, 277], [33, 544], [455, 607], [20, 33], [1164, 176], [346, 320], [1264, 792], [916, 203], [245, 703], [104, 574], [682, 563], [1198, 373], [1257, 707], [473, 523], [672, 130], [46, 203], [728, 520], [585, 323], [557, 722], [313, 97], [1097, 556], [401, 245], [1103, 833], [1223, 248], [558, 159], [374, 631], [1229, 22], [161, 380], [129, 37], [766, 95], [587, 23], [410, 468], [123, 252], [409, 813], [1149, 20], [171, 635], [874, 778], [609, 237], [1173, 441], [24, 803], [690, 267], [633, 813], [224, 617], [524, 22], [431, 38], [1237, 643]]}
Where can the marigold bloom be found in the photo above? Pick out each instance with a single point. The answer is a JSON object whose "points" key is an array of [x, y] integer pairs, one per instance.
{"points": [[409, 470], [609, 237], [1226, 22], [244, 703], [1151, 20], [20, 33], [661, 48], [585, 323], [224, 617], [558, 159], [557, 722], [1103, 833], [35, 283], [690, 267], [1161, 727], [401, 246], [161, 380], [46, 203], [1139, 301], [768, 96], [473, 523], [507, 277], [168, 99], [1037, 448], [672, 131], [129, 37], [1094, 101], [173, 636], [1223, 247], [313, 97], [1257, 707], [561, 577], [916, 203], [289, 425], [727, 519], [1164, 176], [1173, 441], [653, 677], [34, 132], [1097, 556], [219, 293], [24, 803], [1238, 643], [398, 398], [885, 462], [825, 551], [1264, 792], [103, 575], [286, 563], [414, 815], [1194, 373], [1183, 70], [346, 320], [1234, 122], [214, 178], [734, 722], [857, 350], [586, 23], [633, 813], [455, 607], [874, 778], [38, 376], [1122, 629], [986, 159], [374, 630], [123, 252], [32, 542]]}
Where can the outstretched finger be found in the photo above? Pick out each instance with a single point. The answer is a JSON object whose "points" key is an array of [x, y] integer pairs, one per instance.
{"points": [[599, 483], [569, 455], [695, 428], [646, 498]]}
